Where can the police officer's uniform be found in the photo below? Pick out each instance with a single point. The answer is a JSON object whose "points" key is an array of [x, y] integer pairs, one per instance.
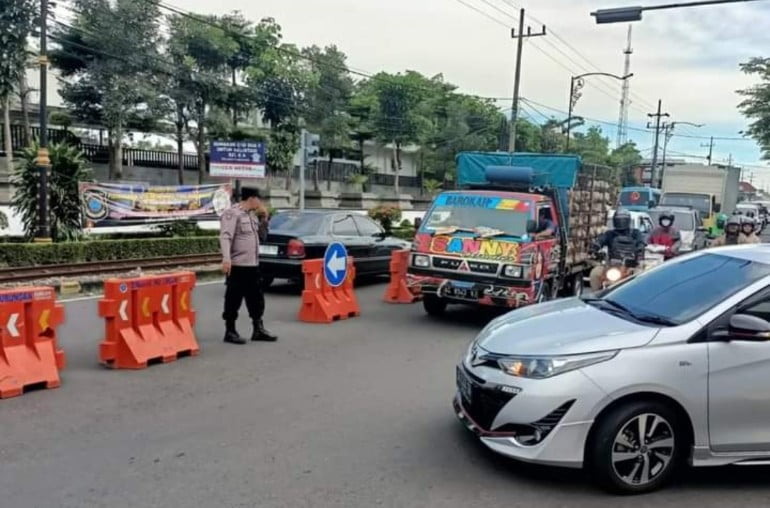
{"points": [[239, 236]]}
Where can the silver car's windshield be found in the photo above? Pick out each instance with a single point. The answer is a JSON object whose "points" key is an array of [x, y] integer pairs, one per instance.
{"points": [[682, 291]]}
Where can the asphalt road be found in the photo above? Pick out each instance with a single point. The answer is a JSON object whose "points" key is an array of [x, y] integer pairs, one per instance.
{"points": [[354, 414]]}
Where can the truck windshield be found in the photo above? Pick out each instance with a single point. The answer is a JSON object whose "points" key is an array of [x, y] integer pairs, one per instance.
{"points": [[701, 202], [635, 198], [510, 222]]}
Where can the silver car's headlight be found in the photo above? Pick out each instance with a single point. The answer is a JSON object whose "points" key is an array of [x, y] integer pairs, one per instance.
{"points": [[549, 366]]}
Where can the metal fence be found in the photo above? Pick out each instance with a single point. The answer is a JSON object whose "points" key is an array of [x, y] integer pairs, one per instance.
{"points": [[99, 154]]}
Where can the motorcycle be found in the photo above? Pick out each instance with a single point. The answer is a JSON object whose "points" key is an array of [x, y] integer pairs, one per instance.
{"points": [[617, 269], [653, 256]]}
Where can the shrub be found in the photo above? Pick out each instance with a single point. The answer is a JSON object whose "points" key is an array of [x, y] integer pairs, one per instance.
{"points": [[3, 221], [68, 169], [404, 233], [179, 228], [386, 215], [32, 254]]}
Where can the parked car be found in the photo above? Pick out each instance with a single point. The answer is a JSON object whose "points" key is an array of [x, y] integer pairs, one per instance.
{"points": [[687, 221], [295, 236], [660, 370]]}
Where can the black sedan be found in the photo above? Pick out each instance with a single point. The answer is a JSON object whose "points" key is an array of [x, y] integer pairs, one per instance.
{"points": [[295, 236]]}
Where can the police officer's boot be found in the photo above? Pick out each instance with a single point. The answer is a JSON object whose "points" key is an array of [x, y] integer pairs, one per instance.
{"points": [[260, 333], [231, 334]]}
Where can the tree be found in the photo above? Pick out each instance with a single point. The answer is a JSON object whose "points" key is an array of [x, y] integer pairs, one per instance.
{"points": [[68, 169], [16, 21], [397, 118], [329, 102], [110, 55], [279, 80], [591, 146], [552, 139], [756, 103], [626, 158]]}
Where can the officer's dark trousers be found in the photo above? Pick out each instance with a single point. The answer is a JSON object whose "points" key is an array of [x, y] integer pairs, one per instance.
{"points": [[244, 282]]}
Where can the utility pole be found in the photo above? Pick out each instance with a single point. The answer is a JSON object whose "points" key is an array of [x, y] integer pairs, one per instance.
{"points": [[520, 36], [43, 230], [302, 166], [711, 149], [625, 102], [658, 115], [668, 133]]}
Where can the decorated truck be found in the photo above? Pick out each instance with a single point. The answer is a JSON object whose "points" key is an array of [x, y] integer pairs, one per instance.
{"points": [[518, 230]]}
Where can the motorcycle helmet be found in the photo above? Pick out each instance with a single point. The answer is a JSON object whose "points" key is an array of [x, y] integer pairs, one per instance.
{"points": [[621, 221], [747, 225], [666, 219], [721, 221], [733, 225]]}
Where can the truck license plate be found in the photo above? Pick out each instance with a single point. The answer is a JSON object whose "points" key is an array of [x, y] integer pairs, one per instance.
{"points": [[464, 386], [461, 293]]}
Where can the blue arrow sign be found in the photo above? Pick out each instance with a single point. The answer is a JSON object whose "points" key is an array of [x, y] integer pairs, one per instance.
{"points": [[335, 264]]}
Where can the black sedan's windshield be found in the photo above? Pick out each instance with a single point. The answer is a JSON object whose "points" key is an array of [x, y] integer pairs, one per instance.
{"points": [[297, 223], [680, 292]]}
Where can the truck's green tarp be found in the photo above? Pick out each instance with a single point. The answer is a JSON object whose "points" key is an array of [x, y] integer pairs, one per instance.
{"points": [[558, 171]]}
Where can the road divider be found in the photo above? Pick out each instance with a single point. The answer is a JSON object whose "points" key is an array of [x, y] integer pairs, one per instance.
{"points": [[329, 294], [148, 320], [398, 289], [29, 355]]}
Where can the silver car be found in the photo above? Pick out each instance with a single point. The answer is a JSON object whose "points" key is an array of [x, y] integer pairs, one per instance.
{"points": [[668, 367]]}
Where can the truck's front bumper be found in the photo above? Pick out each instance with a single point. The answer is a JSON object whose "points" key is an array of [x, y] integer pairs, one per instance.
{"points": [[469, 289]]}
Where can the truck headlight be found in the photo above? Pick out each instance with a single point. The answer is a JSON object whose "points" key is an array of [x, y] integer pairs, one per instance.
{"points": [[513, 271], [420, 261], [549, 366], [613, 274]]}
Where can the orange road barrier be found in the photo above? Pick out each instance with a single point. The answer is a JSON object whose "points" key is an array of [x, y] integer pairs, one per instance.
{"points": [[322, 303], [398, 289], [29, 356], [148, 320]]}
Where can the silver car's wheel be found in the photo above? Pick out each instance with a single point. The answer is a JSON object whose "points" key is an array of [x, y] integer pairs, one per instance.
{"points": [[643, 449], [636, 447]]}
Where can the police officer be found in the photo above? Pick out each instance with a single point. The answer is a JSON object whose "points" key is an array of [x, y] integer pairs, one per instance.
{"points": [[732, 233], [242, 227]]}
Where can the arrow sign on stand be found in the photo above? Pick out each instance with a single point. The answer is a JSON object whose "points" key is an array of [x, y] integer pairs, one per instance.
{"points": [[164, 304], [122, 310], [335, 264], [11, 326]]}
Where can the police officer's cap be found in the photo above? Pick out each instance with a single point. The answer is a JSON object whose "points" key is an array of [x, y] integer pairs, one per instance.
{"points": [[249, 192]]}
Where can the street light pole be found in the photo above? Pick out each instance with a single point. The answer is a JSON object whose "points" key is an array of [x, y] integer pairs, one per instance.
{"points": [[43, 230], [575, 85], [627, 14]]}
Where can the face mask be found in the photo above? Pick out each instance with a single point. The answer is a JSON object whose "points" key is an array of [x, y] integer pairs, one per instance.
{"points": [[665, 223]]}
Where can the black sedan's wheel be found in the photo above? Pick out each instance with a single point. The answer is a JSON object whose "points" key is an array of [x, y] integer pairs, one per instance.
{"points": [[434, 305], [636, 447]]}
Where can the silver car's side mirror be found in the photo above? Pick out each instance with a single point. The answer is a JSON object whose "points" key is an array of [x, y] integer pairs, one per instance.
{"points": [[748, 328]]}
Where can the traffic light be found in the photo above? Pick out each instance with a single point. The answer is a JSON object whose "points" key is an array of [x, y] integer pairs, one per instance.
{"points": [[312, 146]]}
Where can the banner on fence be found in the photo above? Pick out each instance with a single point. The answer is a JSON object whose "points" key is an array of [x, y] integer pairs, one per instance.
{"points": [[109, 202], [237, 159]]}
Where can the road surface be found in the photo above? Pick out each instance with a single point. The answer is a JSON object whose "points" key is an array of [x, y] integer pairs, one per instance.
{"points": [[354, 414]]}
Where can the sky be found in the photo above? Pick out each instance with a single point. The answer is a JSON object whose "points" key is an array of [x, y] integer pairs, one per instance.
{"points": [[688, 58]]}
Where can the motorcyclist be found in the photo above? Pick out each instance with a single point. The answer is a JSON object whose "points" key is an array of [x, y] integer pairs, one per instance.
{"points": [[667, 235], [748, 234], [622, 241], [732, 232], [719, 227]]}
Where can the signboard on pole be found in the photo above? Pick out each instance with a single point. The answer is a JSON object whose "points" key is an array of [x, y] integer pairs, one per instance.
{"points": [[237, 159]]}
